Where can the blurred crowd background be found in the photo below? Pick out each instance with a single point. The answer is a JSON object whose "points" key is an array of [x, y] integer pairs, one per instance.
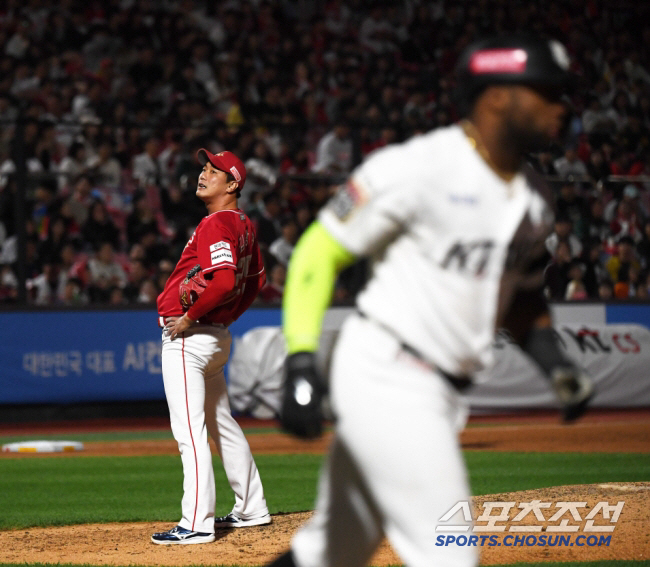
{"points": [[104, 104]]}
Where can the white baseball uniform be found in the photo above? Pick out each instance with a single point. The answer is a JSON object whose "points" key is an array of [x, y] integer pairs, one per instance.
{"points": [[450, 239], [192, 367]]}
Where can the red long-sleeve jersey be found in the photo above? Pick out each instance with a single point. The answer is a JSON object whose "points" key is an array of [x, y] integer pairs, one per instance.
{"points": [[224, 240]]}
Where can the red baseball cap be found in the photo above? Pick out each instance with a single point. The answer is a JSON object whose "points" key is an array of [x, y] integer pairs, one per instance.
{"points": [[225, 161]]}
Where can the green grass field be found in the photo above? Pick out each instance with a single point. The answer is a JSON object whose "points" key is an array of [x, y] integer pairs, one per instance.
{"points": [[59, 491]]}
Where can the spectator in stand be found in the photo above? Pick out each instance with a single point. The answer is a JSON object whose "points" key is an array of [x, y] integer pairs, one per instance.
{"points": [[556, 275], [105, 273], [643, 247], [597, 121], [543, 163], [570, 165], [99, 227], [141, 220], [597, 226], [594, 271], [576, 289], [626, 222], [138, 273], [606, 290], [146, 170], [569, 203], [148, 292], [634, 136], [625, 256], [304, 218], [169, 158], [630, 274], [597, 167], [78, 203], [72, 166], [274, 286], [48, 286], [282, 248], [156, 249], [73, 293], [105, 168], [261, 173], [268, 222], [43, 207], [57, 237], [116, 297], [334, 151], [621, 290], [562, 232], [164, 270], [8, 284], [630, 193]]}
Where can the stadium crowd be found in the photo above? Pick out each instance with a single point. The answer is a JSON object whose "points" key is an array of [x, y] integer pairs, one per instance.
{"points": [[108, 102]]}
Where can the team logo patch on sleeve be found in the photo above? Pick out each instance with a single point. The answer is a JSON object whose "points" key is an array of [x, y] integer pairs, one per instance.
{"points": [[219, 246], [347, 198], [220, 253]]}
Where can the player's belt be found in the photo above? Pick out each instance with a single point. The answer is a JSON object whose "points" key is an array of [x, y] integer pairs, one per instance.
{"points": [[161, 322], [459, 383]]}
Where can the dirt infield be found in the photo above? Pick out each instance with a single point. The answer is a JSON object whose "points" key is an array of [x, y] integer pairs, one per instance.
{"points": [[592, 435], [129, 544]]}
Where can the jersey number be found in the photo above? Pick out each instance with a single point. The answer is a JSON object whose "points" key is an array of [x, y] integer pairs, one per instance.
{"points": [[242, 271]]}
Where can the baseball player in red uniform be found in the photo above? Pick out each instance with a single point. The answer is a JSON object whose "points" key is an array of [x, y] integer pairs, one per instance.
{"points": [[216, 279]]}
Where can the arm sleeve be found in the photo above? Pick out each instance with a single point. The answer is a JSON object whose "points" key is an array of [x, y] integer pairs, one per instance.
{"points": [[218, 291], [315, 263]]}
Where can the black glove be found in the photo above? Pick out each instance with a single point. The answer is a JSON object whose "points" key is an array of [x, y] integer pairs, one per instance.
{"points": [[574, 389], [572, 386], [301, 412]]}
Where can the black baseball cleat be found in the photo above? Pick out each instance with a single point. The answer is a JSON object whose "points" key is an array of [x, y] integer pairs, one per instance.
{"points": [[181, 536], [232, 521]]}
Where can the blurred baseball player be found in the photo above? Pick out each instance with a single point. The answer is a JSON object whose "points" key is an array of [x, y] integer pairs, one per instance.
{"points": [[216, 279], [456, 228]]}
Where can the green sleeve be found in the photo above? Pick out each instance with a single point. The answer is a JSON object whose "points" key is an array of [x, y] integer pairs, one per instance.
{"points": [[315, 264]]}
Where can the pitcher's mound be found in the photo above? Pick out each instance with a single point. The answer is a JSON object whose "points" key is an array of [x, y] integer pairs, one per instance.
{"points": [[129, 544]]}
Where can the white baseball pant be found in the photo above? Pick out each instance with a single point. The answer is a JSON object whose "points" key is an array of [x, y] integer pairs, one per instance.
{"points": [[395, 466], [195, 387]]}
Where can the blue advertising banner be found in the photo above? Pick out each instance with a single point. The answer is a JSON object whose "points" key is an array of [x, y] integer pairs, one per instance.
{"points": [[89, 356], [628, 313], [50, 357]]}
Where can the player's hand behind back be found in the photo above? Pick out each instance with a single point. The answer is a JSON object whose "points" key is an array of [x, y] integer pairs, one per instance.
{"points": [[301, 412]]}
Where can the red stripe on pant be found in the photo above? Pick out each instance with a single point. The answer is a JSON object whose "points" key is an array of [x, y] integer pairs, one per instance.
{"points": [[189, 424]]}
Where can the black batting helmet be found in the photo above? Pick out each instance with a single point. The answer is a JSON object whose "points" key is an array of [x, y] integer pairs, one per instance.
{"points": [[512, 60]]}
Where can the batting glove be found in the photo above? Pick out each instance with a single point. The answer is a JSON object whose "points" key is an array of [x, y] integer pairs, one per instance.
{"points": [[302, 412], [574, 389]]}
